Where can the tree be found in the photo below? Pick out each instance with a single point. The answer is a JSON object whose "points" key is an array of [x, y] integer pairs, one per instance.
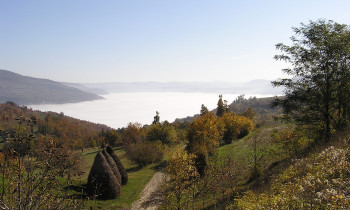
{"points": [[182, 173], [249, 113], [37, 178], [163, 132], [220, 110], [204, 134], [204, 110], [235, 126], [133, 134], [112, 137], [156, 118], [318, 87], [226, 173]]}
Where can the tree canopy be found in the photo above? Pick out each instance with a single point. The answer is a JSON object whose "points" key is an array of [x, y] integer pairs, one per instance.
{"points": [[317, 86]]}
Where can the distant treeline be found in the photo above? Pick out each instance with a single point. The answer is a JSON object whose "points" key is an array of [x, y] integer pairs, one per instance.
{"points": [[261, 106]]}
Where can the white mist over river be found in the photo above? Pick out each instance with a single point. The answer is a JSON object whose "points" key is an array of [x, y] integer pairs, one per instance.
{"points": [[118, 109]]}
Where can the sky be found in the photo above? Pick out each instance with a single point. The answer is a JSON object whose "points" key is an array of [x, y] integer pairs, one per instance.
{"points": [[97, 41]]}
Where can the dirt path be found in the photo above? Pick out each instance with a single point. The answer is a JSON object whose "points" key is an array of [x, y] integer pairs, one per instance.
{"points": [[150, 198]]}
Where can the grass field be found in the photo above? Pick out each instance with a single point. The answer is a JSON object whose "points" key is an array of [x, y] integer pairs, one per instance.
{"points": [[138, 178], [242, 150]]}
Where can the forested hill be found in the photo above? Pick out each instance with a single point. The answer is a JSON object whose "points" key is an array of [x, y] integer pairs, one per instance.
{"points": [[261, 106], [28, 90], [74, 133]]}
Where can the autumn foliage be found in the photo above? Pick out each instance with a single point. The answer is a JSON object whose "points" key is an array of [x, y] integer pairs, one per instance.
{"points": [[68, 131], [207, 132], [182, 174], [204, 134], [318, 182]]}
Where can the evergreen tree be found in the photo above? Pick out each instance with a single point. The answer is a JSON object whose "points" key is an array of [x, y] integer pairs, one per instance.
{"points": [[204, 110], [221, 108], [156, 118]]}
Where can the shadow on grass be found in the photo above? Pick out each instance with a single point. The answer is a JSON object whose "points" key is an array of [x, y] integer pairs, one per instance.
{"points": [[117, 148], [133, 169], [76, 188], [221, 203], [94, 152], [161, 166], [77, 192]]}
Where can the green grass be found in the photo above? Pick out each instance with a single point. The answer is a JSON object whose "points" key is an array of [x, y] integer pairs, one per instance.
{"points": [[243, 148], [138, 178], [241, 152]]}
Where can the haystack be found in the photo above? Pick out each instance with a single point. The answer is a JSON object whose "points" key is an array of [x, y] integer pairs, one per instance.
{"points": [[120, 166], [113, 166], [102, 181]]}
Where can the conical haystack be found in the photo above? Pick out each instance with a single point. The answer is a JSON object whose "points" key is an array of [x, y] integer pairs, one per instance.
{"points": [[102, 181], [120, 166], [113, 166]]}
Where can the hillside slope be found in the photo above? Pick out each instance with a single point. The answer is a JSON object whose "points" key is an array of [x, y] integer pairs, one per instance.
{"points": [[71, 132], [28, 90]]}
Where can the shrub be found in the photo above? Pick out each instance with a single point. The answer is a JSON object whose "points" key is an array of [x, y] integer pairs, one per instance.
{"points": [[145, 152], [318, 182], [161, 132], [291, 140]]}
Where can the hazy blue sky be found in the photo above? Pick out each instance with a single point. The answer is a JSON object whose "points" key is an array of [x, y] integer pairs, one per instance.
{"points": [[153, 40]]}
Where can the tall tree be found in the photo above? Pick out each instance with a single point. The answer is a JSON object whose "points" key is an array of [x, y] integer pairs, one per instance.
{"points": [[156, 118], [204, 110], [204, 134], [317, 90], [221, 108], [182, 174]]}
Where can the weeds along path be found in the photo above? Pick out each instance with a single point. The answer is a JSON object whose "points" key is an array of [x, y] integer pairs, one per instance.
{"points": [[151, 197]]}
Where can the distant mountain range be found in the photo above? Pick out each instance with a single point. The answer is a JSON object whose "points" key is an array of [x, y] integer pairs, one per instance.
{"points": [[259, 87], [25, 90]]}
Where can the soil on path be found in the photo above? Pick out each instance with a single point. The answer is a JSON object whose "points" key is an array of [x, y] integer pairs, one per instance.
{"points": [[151, 197]]}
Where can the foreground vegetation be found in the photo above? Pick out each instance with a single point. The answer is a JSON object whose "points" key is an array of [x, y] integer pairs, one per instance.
{"points": [[316, 182]]}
